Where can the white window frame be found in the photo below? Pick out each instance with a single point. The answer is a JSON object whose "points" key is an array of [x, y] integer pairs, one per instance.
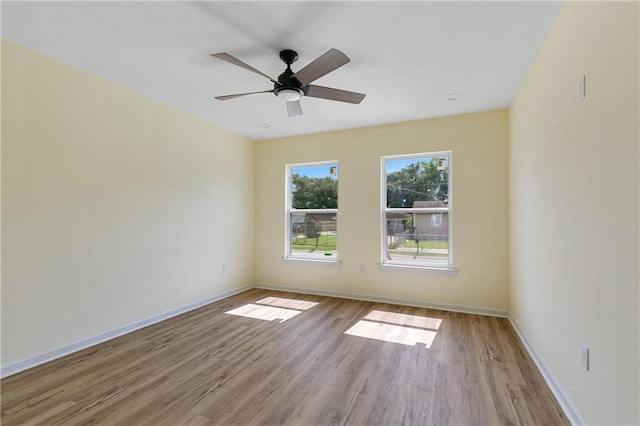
{"points": [[289, 210], [384, 210]]}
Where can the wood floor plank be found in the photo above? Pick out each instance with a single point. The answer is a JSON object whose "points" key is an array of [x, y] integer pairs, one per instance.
{"points": [[317, 361]]}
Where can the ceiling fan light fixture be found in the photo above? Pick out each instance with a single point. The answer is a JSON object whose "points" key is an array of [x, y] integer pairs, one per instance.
{"points": [[289, 95]]}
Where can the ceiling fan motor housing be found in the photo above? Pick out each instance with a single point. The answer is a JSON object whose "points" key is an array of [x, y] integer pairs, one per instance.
{"points": [[286, 80], [288, 56]]}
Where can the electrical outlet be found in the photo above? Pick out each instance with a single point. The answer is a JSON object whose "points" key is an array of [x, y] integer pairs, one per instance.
{"points": [[362, 268], [585, 356], [582, 88], [224, 267]]}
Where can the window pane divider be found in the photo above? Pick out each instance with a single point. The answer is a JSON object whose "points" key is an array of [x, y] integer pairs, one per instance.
{"points": [[417, 210], [313, 211]]}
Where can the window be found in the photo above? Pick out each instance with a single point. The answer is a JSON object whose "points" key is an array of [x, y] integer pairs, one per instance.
{"points": [[312, 211], [416, 210]]}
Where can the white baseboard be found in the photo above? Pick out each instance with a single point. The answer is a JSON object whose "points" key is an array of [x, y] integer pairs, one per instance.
{"points": [[50, 355], [393, 301], [567, 406]]}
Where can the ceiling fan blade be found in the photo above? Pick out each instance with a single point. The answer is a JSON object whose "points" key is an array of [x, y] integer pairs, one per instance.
{"points": [[237, 95], [324, 64], [235, 61], [294, 108], [335, 94]]}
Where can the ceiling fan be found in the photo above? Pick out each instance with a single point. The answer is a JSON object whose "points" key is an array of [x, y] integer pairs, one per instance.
{"points": [[291, 86]]}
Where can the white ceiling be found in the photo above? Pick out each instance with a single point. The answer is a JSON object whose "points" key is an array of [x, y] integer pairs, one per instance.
{"points": [[406, 56]]}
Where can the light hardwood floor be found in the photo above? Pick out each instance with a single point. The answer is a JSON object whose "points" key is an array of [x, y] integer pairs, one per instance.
{"points": [[297, 365]]}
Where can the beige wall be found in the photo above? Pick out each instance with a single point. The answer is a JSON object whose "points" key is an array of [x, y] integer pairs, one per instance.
{"points": [[480, 219], [574, 208], [115, 207]]}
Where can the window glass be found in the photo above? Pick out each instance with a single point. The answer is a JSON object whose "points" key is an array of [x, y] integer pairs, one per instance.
{"points": [[312, 212], [416, 225]]}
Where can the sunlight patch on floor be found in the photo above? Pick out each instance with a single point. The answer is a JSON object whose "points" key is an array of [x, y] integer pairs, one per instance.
{"points": [[397, 328], [273, 308], [404, 319], [301, 305]]}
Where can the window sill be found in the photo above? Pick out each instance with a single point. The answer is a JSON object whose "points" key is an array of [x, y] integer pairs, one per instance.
{"points": [[445, 270], [305, 260]]}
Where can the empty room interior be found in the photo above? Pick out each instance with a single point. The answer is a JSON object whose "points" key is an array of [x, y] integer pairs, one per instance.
{"points": [[320, 213]]}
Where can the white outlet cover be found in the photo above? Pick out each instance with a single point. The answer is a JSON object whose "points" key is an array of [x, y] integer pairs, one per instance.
{"points": [[585, 357], [582, 86]]}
